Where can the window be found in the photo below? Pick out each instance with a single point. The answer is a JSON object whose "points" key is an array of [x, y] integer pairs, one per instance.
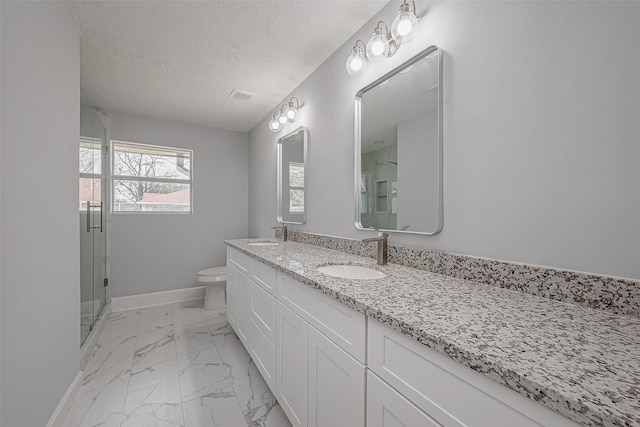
{"points": [[296, 187], [90, 168], [149, 178]]}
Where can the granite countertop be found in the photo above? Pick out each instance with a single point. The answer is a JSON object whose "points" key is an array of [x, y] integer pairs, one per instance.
{"points": [[580, 362]]}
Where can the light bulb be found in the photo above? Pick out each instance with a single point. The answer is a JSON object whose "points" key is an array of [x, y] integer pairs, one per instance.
{"points": [[274, 125], [291, 113], [404, 24], [356, 61], [282, 119], [377, 46]]}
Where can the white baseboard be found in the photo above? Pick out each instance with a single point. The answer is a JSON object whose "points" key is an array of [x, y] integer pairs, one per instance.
{"points": [[156, 298], [57, 418]]}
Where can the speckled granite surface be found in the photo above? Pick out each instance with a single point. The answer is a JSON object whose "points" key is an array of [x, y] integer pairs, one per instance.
{"points": [[580, 362], [616, 295]]}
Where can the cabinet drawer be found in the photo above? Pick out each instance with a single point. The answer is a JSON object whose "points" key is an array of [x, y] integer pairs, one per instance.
{"points": [[343, 325], [386, 407], [263, 354], [449, 392], [239, 260], [263, 312], [260, 273], [264, 276]]}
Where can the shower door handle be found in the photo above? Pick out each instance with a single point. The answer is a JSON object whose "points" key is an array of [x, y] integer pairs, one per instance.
{"points": [[88, 216], [101, 212], [89, 226]]}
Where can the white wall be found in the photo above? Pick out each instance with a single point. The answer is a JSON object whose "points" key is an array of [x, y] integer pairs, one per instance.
{"points": [[39, 174], [153, 253], [541, 131]]}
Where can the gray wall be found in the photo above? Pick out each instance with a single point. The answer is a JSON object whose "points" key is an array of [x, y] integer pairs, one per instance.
{"points": [[153, 253], [541, 131], [418, 163], [39, 174], [0, 219]]}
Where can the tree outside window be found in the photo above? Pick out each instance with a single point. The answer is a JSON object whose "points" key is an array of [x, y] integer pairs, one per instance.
{"points": [[149, 178]]}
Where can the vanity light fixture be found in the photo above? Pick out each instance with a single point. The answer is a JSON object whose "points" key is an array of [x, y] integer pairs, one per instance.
{"points": [[357, 60], [286, 114], [292, 110], [384, 43], [381, 44], [282, 118], [404, 24], [274, 124]]}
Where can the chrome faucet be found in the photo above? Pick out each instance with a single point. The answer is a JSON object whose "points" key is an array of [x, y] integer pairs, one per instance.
{"points": [[284, 231], [383, 246]]}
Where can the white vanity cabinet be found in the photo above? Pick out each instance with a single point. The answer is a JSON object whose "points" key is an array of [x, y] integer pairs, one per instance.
{"points": [[251, 309], [330, 366], [320, 380], [446, 391]]}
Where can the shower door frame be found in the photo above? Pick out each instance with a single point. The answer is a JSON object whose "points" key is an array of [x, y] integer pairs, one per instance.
{"points": [[93, 212]]}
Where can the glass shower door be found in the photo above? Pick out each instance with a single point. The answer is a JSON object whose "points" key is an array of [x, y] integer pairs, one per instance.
{"points": [[92, 222]]}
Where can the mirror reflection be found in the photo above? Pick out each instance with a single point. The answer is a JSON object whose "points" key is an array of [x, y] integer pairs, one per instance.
{"points": [[292, 177], [399, 148]]}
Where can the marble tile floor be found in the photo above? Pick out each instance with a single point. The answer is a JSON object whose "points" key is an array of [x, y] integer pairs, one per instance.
{"points": [[172, 365]]}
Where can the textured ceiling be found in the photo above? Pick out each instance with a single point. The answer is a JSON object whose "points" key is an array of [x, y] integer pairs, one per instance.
{"points": [[181, 59]]}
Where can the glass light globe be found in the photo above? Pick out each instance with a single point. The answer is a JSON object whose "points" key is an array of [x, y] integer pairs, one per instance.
{"points": [[291, 113], [403, 26], [281, 118], [377, 47], [356, 62], [274, 125]]}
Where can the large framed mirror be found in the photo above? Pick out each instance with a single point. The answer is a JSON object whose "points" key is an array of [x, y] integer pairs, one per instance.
{"points": [[398, 148], [292, 177]]}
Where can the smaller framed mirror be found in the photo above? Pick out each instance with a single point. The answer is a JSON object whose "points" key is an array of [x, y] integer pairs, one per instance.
{"points": [[292, 177]]}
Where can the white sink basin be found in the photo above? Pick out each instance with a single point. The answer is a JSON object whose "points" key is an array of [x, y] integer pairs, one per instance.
{"points": [[262, 243], [351, 272]]}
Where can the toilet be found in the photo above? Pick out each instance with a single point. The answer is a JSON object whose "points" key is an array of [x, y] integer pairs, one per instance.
{"points": [[215, 279]]}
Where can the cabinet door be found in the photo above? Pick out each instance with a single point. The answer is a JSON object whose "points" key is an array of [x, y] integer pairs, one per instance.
{"points": [[336, 385], [291, 364], [233, 277], [388, 408], [244, 309]]}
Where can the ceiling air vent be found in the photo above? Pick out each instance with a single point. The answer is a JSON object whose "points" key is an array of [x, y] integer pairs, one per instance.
{"points": [[242, 95]]}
